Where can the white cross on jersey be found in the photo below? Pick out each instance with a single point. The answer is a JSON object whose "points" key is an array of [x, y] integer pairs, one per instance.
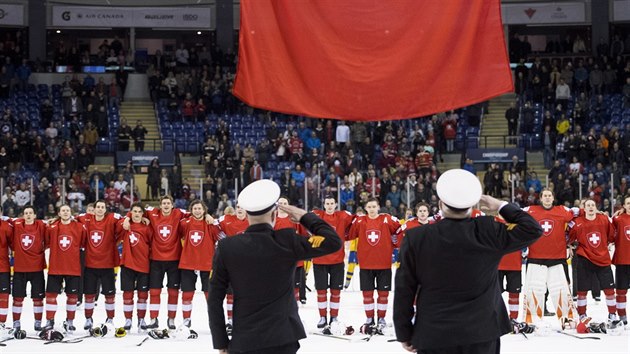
{"points": [[546, 226], [594, 239], [196, 237], [26, 241], [165, 232], [628, 232], [372, 236], [96, 237], [133, 238], [65, 241]]}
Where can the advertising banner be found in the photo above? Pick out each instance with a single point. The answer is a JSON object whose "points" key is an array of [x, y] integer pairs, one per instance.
{"points": [[11, 15], [153, 17], [541, 13]]}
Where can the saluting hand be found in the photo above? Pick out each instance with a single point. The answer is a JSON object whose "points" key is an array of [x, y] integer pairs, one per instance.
{"points": [[491, 203], [408, 347], [295, 213]]}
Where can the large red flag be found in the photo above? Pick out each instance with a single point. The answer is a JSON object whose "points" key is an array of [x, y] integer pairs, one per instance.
{"points": [[370, 59]]}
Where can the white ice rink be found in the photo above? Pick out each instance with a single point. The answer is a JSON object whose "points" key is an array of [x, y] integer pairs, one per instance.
{"points": [[351, 313]]}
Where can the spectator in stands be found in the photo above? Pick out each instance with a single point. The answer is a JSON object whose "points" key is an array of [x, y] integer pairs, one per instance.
{"points": [[626, 94], [256, 171], [449, 129], [596, 79], [581, 77], [511, 115], [610, 79], [549, 145], [124, 135], [182, 56], [393, 196], [23, 73], [138, 134], [563, 93], [342, 135], [347, 197], [5, 82], [533, 182]]}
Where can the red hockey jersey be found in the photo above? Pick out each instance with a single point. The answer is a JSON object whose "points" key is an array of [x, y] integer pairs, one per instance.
{"points": [[341, 222], [622, 239], [6, 234], [166, 245], [231, 225], [199, 240], [375, 245], [553, 243], [100, 248], [137, 243], [593, 237], [27, 244], [65, 243]]}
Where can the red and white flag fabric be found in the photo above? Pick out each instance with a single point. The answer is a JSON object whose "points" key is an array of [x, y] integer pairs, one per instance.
{"points": [[367, 60]]}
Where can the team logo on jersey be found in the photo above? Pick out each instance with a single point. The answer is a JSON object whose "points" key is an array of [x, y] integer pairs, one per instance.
{"points": [[195, 237], [594, 238], [165, 231], [65, 242], [133, 239], [626, 231], [547, 226], [96, 237], [27, 241], [373, 236]]}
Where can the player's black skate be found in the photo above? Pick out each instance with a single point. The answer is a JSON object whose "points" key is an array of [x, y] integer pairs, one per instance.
{"points": [[153, 324], [229, 328]]}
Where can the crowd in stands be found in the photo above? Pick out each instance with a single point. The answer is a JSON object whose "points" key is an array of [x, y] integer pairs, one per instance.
{"points": [[571, 106], [577, 108]]}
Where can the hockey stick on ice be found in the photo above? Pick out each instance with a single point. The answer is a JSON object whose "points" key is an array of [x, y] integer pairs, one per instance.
{"points": [[578, 337], [144, 340], [346, 338]]}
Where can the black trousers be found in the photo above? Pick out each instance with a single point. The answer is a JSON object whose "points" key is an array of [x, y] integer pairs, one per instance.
{"points": [[290, 348], [491, 347]]}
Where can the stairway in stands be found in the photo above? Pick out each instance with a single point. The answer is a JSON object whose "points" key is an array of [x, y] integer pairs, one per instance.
{"points": [[143, 111], [192, 171], [494, 125]]}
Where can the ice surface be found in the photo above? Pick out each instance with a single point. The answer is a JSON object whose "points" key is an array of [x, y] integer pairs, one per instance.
{"points": [[351, 313]]}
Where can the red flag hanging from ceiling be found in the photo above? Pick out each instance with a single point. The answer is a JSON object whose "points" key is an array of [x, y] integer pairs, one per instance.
{"points": [[370, 59]]}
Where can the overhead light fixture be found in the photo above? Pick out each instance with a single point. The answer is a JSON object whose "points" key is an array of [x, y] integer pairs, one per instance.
{"points": [[58, 31], [198, 32]]}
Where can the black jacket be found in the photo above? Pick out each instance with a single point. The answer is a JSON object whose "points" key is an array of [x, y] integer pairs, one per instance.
{"points": [[451, 268], [259, 265]]}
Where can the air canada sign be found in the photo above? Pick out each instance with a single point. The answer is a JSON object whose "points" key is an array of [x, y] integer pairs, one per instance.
{"points": [[153, 17]]}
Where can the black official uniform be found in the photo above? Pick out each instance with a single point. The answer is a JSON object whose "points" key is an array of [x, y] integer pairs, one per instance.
{"points": [[450, 268], [259, 265]]}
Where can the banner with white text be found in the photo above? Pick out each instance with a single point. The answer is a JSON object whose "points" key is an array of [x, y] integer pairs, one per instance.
{"points": [[536, 13], [152, 17]]}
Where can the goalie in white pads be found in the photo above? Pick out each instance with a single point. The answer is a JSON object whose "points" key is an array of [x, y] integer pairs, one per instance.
{"points": [[545, 260]]}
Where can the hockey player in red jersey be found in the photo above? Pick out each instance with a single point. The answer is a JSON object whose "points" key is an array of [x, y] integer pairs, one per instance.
{"points": [[231, 225], [27, 244], [101, 257], [164, 258], [546, 257], [422, 218], [593, 232], [134, 270], [6, 234], [621, 258], [329, 270], [198, 239], [374, 251], [64, 238], [283, 222], [510, 269]]}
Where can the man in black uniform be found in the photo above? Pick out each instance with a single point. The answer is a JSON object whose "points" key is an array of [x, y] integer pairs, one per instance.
{"points": [[259, 265], [450, 269]]}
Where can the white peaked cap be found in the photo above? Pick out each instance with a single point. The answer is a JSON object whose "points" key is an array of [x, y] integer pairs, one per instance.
{"points": [[258, 197], [459, 189]]}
